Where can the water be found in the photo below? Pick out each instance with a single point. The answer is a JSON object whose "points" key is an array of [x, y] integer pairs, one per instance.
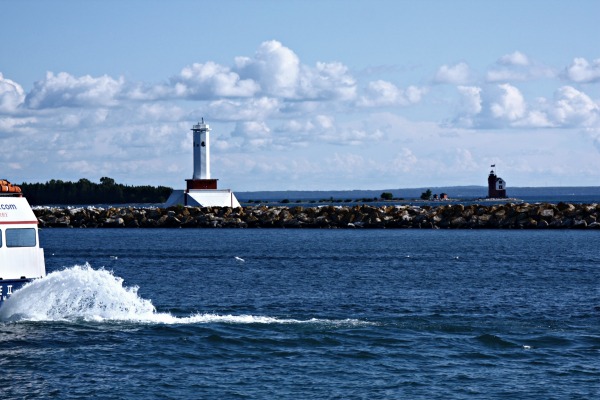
{"points": [[305, 314]]}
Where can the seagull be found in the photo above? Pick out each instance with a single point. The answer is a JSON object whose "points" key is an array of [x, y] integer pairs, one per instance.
{"points": [[239, 259]]}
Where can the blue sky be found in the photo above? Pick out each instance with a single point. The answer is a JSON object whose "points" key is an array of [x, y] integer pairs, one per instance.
{"points": [[302, 95]]}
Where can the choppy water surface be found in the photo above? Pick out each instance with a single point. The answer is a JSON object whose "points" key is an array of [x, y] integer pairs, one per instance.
{"points": [[307, 314]]}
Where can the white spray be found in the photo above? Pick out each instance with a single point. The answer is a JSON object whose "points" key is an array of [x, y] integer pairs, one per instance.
{"points": [[75, 293], [81, 293]]}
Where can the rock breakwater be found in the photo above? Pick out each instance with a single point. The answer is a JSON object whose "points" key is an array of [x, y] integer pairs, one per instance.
{"points": [[457, 216]]}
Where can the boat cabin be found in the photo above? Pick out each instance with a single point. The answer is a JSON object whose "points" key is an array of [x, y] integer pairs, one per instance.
{"points": [[21, 258]]}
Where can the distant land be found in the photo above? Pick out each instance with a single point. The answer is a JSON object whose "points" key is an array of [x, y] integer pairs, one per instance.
{"points": [[107, 191], [561, 193]]}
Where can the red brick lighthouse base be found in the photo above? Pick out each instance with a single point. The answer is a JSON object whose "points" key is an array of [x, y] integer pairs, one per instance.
{"points": [[201, 183]]}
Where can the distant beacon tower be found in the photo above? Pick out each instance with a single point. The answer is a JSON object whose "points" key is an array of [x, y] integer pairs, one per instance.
{"points": [[201, 178], [201, 150], [496, 186], [201, 190]]}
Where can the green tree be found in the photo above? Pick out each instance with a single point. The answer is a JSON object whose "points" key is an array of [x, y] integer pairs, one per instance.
{"points": [[387, 196], [107, 181], [86, 192], [426, 195]]}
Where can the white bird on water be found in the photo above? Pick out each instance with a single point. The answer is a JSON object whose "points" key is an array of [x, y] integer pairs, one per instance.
{"points": [[239, 259]]}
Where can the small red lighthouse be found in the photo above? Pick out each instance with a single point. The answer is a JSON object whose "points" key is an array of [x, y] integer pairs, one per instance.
{"points": [[496, 186]]}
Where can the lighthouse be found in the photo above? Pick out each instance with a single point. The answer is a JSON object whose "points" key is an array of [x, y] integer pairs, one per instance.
{"points": [[201, 189], [201, 177], [201, 150], [201, 137], [496, 186]]}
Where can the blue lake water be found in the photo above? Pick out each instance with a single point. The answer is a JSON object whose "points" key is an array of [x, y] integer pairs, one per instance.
{"points": [[306, 314]]}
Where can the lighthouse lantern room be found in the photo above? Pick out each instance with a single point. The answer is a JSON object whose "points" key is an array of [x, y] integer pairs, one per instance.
{"points": [[201, 190]]}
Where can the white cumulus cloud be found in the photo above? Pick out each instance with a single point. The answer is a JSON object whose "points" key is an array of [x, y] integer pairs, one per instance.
{"points": [[517, 67], [275, 67], [11, 95], [516, 58], [507, 107], [326, 81], [574, 108], [470, 105], [582, 71], [511, 104], [470, 99], [535, 119], [458, 74], [65, 90], [384, 93], [510, 109], [279, 73], [211, 80]]}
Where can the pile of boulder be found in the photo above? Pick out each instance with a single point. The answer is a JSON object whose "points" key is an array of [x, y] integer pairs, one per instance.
{"points": [[457, 216]]}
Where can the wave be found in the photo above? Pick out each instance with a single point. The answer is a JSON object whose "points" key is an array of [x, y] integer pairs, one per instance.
{"points": [[81, 293], [494, 341]]}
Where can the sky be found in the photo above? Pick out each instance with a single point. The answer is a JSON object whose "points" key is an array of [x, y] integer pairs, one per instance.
{"points": [[302, 95]]}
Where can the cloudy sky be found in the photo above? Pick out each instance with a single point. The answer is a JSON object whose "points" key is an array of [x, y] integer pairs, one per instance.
{"points": [[302, 95]]}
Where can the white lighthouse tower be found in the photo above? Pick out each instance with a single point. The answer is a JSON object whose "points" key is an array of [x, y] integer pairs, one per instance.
{"points": [[201, 177], [201, 150], [202, 190]]}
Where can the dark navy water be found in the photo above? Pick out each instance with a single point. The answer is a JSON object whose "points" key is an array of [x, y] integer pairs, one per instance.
{"points": [[307, 314]]}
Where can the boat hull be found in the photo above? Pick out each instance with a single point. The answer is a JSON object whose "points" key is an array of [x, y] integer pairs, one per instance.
{"points": [[9, 286]]}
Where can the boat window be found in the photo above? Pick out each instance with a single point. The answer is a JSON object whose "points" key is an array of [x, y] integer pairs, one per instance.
{"points": [[20, 237]]}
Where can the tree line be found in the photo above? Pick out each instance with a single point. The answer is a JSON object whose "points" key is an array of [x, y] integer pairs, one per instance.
{"points": [[86, 192]]}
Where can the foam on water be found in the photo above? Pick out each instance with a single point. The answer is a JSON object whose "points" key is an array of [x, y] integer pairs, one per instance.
{"points": [[79, 292], [83, 293]]}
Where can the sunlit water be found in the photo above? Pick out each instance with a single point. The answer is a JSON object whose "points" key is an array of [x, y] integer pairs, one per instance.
{"points": [[307, 314]]}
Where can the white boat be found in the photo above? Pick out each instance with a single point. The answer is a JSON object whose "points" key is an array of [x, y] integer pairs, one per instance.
{"points": [[21, 258]]}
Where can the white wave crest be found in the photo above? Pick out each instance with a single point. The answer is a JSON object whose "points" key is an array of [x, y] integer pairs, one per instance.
{"points": [[83, 293], [79, 292], [252, 319]]}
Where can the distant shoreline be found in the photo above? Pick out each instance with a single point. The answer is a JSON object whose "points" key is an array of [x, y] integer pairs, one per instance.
{"points": [[465, 193]]}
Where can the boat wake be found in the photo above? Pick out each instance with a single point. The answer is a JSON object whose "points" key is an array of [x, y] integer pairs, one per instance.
{"points": [[81, 293], [76, 293]]}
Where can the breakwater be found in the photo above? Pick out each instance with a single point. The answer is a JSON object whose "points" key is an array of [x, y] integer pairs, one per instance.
{"points": [[457, 216]]}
